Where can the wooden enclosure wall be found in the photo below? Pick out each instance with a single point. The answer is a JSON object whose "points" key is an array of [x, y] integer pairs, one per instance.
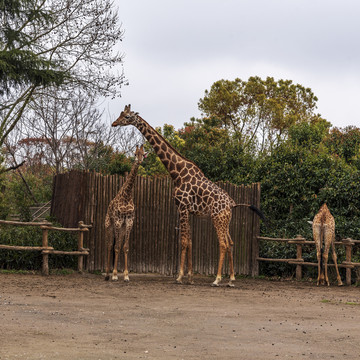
{"points": [[155, 238]]}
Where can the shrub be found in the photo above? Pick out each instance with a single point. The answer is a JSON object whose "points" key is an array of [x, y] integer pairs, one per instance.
{"points": [[32, 260]]}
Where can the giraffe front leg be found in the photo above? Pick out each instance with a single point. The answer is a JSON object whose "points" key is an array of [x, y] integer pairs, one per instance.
{"points": [[185, 239], [119, 235], [129, 225], [189, 263], [108, 258], [116, 258], [109, 244]]}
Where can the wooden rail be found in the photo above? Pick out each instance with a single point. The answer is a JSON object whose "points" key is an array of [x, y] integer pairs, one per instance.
{"points": [[299, 241], [45, 249]]}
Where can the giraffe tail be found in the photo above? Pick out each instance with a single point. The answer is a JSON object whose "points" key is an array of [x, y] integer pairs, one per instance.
{"points": [[255, 209], [321, 247]]}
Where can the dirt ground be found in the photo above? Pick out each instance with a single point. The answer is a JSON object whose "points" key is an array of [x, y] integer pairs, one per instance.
{"points": [[83, 317]]}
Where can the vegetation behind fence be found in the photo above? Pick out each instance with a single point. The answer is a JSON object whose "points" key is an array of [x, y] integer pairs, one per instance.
{"points": [[155, 238]]}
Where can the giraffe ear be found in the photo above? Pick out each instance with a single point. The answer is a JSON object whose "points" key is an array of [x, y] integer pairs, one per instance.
{"points": [[129, 107]]}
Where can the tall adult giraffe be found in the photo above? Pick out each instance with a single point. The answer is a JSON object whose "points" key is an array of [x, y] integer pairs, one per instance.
{"points": [[119, 219], [194, 193], [324, 236]]}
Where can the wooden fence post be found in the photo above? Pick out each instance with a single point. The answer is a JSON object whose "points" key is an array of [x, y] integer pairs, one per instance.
{"points": [[45, 256], [80, 247], [299, 257], [348, 250], [255, 256]]}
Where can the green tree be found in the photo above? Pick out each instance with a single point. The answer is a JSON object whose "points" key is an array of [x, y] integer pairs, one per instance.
{"points": [[259, 111], [300, 175], [345, 143], [215, 150]]}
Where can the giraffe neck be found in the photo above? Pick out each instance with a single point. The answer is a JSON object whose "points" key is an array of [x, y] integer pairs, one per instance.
{"points": [[172, 160], [126, 189]]}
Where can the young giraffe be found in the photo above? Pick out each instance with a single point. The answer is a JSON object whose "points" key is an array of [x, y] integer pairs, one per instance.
{"points": [[324, 230], [193, 193], [120, 218]]}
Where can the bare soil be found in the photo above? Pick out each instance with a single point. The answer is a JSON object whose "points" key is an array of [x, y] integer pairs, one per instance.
{"points": [[83, 317]]}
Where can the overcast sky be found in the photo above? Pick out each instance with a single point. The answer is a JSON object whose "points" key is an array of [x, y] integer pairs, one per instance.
{"points": [[175, 49]]}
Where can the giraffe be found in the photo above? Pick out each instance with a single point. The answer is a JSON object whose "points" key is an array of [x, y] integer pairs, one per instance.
{"points": [[120, 218], [193, 193], [324, 230]]}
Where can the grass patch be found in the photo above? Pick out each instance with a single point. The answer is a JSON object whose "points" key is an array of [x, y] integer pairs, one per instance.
{"points": [[326, 301], [22, 272], [62, 271]]}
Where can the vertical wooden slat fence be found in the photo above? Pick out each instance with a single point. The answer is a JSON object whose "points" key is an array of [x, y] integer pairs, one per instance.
{"points": [[155, 238]]}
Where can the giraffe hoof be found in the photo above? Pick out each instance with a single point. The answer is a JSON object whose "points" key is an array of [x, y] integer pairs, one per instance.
{"points": [[340, 284], [114, 278], [126, 280], [107, 277], [230, 284], [214, 284], [179, 282]]}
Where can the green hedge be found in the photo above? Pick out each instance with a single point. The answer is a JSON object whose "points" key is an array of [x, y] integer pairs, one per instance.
{"points": [[32, 260]]}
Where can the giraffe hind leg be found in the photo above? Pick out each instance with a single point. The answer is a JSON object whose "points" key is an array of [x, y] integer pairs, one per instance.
{"points": [[319, 252], [329, 237], [185, 241], [221, 223]]}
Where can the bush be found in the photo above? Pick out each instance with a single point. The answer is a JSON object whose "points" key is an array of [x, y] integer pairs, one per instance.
{"points": [[32, 260]]}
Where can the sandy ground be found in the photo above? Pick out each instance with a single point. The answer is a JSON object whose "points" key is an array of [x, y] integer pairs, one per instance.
{"points": [[83, 317]]}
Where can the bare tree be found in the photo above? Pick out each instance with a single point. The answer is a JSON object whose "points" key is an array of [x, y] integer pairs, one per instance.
{"points": [[67, 131], [76, 38]]}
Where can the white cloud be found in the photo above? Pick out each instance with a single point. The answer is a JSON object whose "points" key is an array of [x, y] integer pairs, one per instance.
{"points": [[177, 49]]}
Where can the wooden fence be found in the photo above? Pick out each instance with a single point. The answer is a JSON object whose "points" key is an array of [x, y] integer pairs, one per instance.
{"points": [[45, 249], [299, 241], [155, 240]]}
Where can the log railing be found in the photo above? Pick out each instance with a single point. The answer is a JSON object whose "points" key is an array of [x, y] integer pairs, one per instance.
{"points": [[299, 241], [45, 248]]}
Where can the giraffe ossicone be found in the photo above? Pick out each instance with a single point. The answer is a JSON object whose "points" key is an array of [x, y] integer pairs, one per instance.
{"points": [[194, 193], [119, 220]]}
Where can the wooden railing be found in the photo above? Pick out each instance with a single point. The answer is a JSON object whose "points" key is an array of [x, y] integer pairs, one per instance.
{"points": [[45, 248], [299, 241]]}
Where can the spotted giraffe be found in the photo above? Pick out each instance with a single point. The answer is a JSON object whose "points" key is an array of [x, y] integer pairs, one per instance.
{"points": [[193, 193], [120, 218], [324, 235]]}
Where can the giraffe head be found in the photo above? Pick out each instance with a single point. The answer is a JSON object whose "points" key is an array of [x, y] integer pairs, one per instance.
{"points": [[127, 117], [140, 154]]}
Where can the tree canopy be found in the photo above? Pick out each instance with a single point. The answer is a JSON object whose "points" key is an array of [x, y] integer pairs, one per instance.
{"points": [[259, 111]]}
